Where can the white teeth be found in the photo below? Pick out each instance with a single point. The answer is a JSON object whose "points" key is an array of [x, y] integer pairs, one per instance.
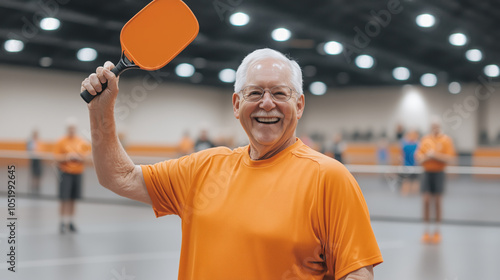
{"points": [[267, 120]]}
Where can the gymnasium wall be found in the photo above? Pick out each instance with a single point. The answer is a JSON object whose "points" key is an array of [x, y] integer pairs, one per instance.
{"points": [[151, 110], [493, 115], [379, 109]]}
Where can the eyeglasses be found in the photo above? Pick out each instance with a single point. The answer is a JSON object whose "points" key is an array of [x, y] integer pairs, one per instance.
{"points": [[278, 93]]}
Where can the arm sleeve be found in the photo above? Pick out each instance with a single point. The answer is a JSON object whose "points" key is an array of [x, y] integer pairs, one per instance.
{"points": [[348, 239], [168, 184], [450, 148], [58, 149], [87, 149], [421, 149]]}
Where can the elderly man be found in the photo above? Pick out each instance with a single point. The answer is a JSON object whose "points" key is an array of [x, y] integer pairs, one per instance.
{"points": [[274, 209]]}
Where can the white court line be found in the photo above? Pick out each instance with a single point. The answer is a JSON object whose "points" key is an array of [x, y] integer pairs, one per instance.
{"points": [[377, 169], [93, 229], [95, 259]]}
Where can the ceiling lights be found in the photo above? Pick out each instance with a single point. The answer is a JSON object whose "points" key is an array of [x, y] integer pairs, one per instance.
{"points": [[317, 88], [425, 20], [364, 61], [474, 55], [428, 80], [239, 19], [281, 34], [13, 45], [86, 54], [458, 39], [454, 87], [492, 70], [333, 48], [401, 73], [227, 75], [50, 24], [184, 70]]}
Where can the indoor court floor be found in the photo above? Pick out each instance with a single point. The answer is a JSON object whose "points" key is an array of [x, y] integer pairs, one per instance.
{"points": [[122, 240]]}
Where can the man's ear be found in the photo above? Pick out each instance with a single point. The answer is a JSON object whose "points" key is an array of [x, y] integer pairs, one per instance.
{"points": [[236, 105], [301, 103]]}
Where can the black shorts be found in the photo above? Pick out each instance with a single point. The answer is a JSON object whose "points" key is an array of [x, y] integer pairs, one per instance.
{"points": [[36, 167], [433, 182], [70, 186]]}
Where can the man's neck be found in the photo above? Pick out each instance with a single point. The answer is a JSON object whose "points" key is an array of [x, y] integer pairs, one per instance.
{"points": [[259, 152]]}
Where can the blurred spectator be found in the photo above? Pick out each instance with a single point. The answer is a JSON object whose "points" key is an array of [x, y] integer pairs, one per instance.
{"points": [[434, 153], [34, 147], [186, 146], [337, 147], [203, 142], [383, 151], [307, 140], [483, 138], [409, 178], [400, 132], [70, 152]]}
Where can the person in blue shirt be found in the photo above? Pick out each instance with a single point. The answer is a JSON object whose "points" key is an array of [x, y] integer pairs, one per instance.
{"points": [[410, 182]]}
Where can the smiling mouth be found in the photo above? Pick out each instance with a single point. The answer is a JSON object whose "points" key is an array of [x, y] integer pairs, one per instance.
{"points": [[267, 120]]}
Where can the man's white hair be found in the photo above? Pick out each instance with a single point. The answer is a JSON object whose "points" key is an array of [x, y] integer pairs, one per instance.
{"points": [[260, 54]]}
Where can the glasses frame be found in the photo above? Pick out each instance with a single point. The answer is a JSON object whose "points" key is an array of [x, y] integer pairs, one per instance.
{"points": [[264, 92]]}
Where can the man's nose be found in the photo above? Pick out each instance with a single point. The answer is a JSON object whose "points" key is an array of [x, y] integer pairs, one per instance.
{"points": [[267, 102]]}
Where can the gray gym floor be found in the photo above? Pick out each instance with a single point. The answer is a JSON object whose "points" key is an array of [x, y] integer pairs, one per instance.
{"points": [[121, 240]]}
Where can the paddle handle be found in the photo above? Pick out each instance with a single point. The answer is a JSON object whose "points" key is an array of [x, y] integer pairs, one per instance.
{"points": [[120, 67]]}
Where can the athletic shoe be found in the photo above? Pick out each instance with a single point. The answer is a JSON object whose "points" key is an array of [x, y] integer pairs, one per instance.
{"points": [[436, 238], [426, 238]]}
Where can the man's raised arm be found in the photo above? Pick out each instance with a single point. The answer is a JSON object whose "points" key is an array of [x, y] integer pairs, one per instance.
{"points": [[115, 170]]}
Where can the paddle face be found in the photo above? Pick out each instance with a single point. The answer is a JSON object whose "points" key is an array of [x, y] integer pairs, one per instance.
{"points": [[158, 33]]}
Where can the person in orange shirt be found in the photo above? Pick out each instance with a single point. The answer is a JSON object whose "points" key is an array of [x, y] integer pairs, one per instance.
{"points": [[274, 209], [434, 152], [34, 148], [186, 146], [70, 152]]}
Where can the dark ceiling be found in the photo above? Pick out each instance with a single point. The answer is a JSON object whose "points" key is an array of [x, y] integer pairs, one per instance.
{"points": [[97, 24]]}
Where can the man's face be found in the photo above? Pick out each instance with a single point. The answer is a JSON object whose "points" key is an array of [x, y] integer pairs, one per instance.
{"points": [[435, 128], [268, 123], [71, 131]]}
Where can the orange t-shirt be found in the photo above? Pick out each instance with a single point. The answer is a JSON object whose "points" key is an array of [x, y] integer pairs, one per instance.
{"points": [[441, 144], [297, 215], [68, 145]]}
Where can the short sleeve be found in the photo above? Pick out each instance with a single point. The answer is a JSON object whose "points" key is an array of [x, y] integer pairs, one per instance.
{"points": [[58, 148], [450, 148], [86, 148], [422, 148], [168, 184], [348, 239]]}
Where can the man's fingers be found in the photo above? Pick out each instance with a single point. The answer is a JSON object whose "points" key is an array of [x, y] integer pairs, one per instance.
{"points": [[88, 87], [100, 75], [95, 82], [109, 65], [112, 80]]}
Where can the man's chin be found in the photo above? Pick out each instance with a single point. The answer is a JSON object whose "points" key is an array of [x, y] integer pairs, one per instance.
{"points": [[266, 140]]}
